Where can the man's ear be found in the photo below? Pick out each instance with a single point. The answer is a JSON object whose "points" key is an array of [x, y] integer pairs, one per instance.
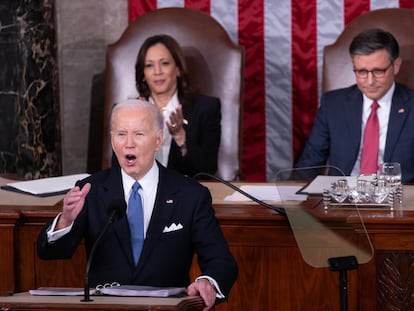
{"points": [[397, 65]]}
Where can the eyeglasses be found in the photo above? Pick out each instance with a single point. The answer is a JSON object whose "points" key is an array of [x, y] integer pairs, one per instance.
{"points": [[376, 73]]}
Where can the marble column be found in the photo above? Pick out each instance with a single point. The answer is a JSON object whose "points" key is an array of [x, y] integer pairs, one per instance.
{"points": [[29, 108]]}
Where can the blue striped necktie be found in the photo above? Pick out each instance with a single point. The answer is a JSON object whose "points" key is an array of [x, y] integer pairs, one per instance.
{"points": [[136, 221]]}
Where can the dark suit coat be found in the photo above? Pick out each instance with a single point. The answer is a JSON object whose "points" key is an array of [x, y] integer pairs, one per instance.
{"points": [[203, 133], [166, 257], [336, 133]]}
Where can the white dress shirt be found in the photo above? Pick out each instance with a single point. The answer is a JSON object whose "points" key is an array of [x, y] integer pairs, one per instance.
{"points": [[383, 113], [147, 191]]}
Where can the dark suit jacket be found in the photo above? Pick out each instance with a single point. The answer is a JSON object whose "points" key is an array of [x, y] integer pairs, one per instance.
{"points": [[166, 257], [203, 133], [336, 133]]}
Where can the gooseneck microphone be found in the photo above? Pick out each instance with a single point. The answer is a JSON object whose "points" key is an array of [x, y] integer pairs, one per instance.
{"points": [[116, 210], [280, 210]]}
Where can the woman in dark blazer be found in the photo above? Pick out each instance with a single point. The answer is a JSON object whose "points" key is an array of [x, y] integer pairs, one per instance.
{"points": [[192, 121]]}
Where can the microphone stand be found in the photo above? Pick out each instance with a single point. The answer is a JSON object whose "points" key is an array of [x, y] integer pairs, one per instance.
{"points": [[280, 210], [116, 210], [86, 297]]}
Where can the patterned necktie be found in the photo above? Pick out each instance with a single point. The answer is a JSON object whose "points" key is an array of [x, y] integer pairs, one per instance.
{"points": [[136, 221], [369, 157]]}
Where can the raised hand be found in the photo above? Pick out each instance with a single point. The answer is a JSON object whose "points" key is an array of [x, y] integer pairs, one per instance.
{"points": [[72, 205]]}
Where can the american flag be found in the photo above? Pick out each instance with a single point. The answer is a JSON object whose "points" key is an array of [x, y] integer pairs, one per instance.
{"points": [[283, 42]]}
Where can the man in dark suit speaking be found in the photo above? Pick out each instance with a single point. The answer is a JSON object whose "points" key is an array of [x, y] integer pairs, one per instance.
{"points": [[344, 133], [174, 213]]}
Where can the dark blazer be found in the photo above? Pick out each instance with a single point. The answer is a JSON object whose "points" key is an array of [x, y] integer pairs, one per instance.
{"points": [[203, 133], [166, 256], [336, 133]]}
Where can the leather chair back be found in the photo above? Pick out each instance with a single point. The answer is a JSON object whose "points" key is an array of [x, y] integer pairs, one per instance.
{"points": [[216, 68], [337, 66]]}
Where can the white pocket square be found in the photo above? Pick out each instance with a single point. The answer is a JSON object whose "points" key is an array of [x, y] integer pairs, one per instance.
{"points": [[172, 227]]}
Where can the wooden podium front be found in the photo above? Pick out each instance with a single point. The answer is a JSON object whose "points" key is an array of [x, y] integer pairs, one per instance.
{"points": [[26, 302], [272, 272]]}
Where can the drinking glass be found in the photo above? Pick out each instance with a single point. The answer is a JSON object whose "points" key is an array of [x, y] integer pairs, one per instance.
{"points": [[380, 192], [339, 190], [390, 172]]}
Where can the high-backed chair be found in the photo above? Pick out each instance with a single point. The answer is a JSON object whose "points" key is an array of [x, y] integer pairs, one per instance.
{"points": [[216, 66], [337, 66]]}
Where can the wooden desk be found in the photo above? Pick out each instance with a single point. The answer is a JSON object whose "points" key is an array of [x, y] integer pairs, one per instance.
{"points": [[26, 302], [272, 273]]}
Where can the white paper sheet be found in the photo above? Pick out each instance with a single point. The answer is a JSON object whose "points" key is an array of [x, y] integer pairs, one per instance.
{"points": [[45, 186], [267, 193], [59, 291]]}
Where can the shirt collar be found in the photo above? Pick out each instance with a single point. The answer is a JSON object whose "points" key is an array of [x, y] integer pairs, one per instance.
{"points": [[384, 101], [147, 182]]}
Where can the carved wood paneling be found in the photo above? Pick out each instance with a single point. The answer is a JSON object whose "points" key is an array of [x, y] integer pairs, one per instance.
{"points": [[7, 259], [395, 280], [34, 272]]}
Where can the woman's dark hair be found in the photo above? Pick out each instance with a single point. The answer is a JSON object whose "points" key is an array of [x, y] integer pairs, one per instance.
{"points": [[373, 40], [183, 85]]}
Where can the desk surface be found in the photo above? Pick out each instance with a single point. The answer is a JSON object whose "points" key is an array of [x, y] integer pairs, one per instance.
{"points": [[233, 211], [28, 204], [25, 301]]}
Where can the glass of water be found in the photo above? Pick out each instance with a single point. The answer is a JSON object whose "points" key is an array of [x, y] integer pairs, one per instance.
{"points": [[390, 172]]}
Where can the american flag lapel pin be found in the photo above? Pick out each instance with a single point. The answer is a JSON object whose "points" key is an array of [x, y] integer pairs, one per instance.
{"points": [[401, 110], [169, 201]]}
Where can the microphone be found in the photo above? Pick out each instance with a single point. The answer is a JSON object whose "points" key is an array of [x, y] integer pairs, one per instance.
{"points": [[278, 209], [116, 210]]}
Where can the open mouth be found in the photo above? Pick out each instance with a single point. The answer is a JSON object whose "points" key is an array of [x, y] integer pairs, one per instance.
{"points": [[130, 158]]}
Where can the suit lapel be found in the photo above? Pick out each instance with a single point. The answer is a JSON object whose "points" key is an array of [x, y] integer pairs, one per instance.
{"points": [[113, 189], [398, 114], [353, 115]]}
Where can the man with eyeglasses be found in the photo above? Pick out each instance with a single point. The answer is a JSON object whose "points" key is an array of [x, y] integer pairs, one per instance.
{"points": [[343, 127]]}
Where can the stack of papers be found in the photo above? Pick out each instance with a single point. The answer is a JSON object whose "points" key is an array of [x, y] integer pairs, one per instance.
{"points": [[121, 290], [144, 291], [60, 291]]}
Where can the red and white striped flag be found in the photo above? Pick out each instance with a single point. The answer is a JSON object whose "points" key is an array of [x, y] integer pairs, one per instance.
{"points": [[283, 42]]}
